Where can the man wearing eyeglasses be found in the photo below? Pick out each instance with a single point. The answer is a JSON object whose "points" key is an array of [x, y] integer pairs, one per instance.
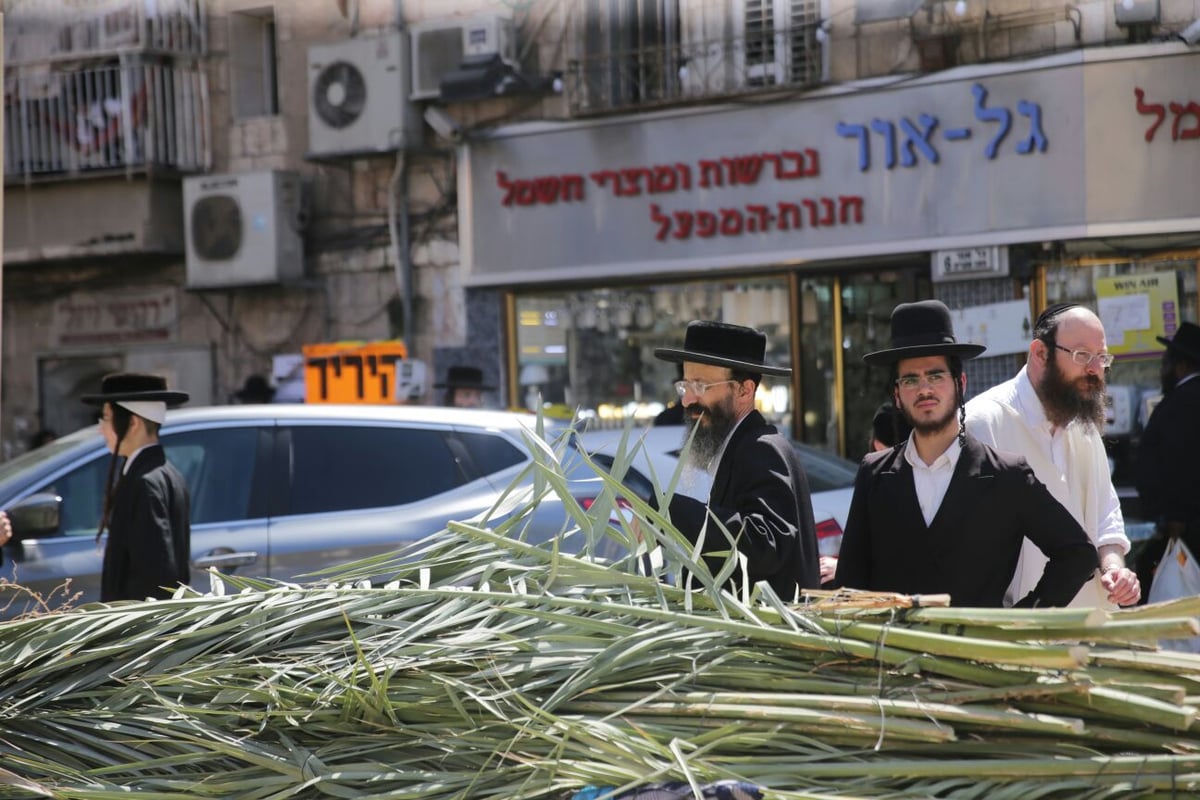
{"points": [[1052, 413], [759, 493], [941, 513]]}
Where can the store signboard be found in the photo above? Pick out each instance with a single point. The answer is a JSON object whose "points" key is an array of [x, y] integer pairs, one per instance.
{"points": [[352, 372], [1136, 309], [966, 263], [1069, 147]]}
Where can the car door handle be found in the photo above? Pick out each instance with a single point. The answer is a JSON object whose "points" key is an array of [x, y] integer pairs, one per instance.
{"points": [[225, 560]]}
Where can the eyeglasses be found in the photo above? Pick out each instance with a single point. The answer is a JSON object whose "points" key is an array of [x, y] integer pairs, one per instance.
{"points": [[696, 387], [934, 378], [1083, 357]]}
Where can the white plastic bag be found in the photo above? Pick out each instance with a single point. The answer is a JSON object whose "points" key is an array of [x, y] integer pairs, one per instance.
{"points": [[1177, 576]]}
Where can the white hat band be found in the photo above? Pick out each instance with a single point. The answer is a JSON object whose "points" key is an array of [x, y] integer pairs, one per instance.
{"points": [[153, 410]]}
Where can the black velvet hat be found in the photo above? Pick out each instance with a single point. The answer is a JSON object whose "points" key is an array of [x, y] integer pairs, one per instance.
{"points": [[256, 389], [1186, 341], [723, 345], [120, 386], [922, 329], [461, 377]]}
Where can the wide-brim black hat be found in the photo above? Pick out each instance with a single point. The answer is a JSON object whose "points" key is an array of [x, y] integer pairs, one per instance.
{"points": [[922, 329], [121, 386], [256, 389], [723, 345], [464, 378], [1185, 341]]}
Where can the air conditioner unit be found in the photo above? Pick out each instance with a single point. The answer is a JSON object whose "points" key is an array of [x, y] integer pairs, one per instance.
{"points": [[441, 45], [358, 97], [242, 229]]}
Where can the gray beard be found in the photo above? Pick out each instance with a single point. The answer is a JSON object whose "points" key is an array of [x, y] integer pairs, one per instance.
{"points": [[708, 439]]}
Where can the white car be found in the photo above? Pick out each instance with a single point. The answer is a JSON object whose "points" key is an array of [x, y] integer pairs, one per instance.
{"points": [[655, 453]]}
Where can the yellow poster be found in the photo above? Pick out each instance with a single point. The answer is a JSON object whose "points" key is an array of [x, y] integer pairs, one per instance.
{"points": [[1137, 308]]}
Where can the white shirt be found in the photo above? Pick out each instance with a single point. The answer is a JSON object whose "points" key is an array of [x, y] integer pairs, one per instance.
{"points": [[932, 480], [1071, 461]]}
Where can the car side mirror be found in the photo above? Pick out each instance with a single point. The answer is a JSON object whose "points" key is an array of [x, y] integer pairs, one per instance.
{"points": [[36, 515]]}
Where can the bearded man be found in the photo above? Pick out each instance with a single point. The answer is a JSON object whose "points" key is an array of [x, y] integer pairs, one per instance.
{"points": [[759, 501], [1052, 413], [942, 513]]}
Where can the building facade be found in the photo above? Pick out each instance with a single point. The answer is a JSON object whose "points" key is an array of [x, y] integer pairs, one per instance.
{"points": [[556, 200]]}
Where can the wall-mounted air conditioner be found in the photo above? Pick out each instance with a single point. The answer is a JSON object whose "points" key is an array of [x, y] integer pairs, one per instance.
{"points": [[358, 97], [440, 45], [243, 229]]}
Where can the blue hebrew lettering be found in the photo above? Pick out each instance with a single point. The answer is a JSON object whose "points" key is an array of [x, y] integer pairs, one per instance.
{"points": [[864, 144], [918, 139], [888, 130], [1036, 137], [1000, 115]]}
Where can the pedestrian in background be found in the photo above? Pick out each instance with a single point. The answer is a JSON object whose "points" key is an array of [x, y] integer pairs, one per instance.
{"points": [[888, 428], [1053, 413], [146, 510], [942, 512], [759, 491], [1167, 465], [464, 387], [256, 389]]}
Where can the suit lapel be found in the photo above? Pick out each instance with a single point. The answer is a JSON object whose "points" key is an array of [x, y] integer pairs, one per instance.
{"points": [[752, 422], [899, 477], [962, 491]]}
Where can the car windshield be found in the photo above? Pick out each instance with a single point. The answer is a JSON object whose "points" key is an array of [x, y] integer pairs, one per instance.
{"points": [[31, 459]]}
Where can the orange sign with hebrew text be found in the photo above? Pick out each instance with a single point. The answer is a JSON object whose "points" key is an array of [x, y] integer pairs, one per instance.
{"points": [[352, 372]]}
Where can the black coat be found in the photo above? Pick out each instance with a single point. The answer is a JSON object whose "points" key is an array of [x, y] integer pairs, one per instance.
{"points": [[1166, 469], [760, 495], [149, 535], [970, 550]]}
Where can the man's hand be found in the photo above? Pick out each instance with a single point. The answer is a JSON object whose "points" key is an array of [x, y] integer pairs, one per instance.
{"points": [[1122, 585], [5, 529], [828, 568]]}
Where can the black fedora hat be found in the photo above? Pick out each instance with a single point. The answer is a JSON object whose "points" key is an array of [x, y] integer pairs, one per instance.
{"points": [[723, 345], [460, 377], [922, 329], [1186, 341], [134, 386], [256, 389]]}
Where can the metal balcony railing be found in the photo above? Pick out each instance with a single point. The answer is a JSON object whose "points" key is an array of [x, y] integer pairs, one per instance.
{"points": [[628, 79], [43, 31], [132, 114]]}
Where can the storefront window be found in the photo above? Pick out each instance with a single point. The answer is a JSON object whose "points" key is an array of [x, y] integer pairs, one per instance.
{"points": [[1138, 300], [592, 350]]}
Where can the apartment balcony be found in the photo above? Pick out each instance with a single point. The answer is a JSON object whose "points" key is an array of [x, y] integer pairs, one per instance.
{"points": [[40, 32], [691, 70], [130, 114]]}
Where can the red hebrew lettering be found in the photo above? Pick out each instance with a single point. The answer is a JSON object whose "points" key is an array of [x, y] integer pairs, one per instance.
{"points": [[731, 222], [712, 168], [660, 219], [547, 189], [509, 190], [814, 163], [828, 217], [602, 178], [758, 218], [786, 172], [706, 224], [789, 216], [664, 180], [811, 205], [849, 203], [572, 188], [633, 177], [683, 221], [1180, 111], [743, 170], [1150, 108], [685, 177], [525, 193]]}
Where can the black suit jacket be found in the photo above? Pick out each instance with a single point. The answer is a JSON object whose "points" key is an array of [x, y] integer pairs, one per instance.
{"points": [[149, 536], [1167, 471], [970, 550], [760, 495]]}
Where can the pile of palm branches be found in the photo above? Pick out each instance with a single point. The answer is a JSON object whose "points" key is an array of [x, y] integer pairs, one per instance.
{"points": [[487, 667]]}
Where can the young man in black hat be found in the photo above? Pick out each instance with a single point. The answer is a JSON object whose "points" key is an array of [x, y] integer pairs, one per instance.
{"points": [[464, 387], [1167, 470], [759, 490], [941, 512], [146, 510], [1052, 413]]}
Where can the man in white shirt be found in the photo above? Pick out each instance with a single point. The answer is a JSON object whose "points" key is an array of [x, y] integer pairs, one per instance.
{"points": [[1052, 413], [941, 512]]}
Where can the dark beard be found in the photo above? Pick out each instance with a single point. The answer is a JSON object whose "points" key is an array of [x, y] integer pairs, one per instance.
{"points": [[934, 426], [1063, 402], [710, 437]]}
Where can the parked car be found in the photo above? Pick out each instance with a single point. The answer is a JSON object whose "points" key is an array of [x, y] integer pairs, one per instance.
{"points": [[276, 490], [655, 454]]}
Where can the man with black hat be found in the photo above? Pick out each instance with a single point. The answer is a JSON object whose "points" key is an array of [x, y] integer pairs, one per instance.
{"points": [[759, 492], [1167, 471], [1052, 413], [146, 510], [464, 387], [941, 512]]}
